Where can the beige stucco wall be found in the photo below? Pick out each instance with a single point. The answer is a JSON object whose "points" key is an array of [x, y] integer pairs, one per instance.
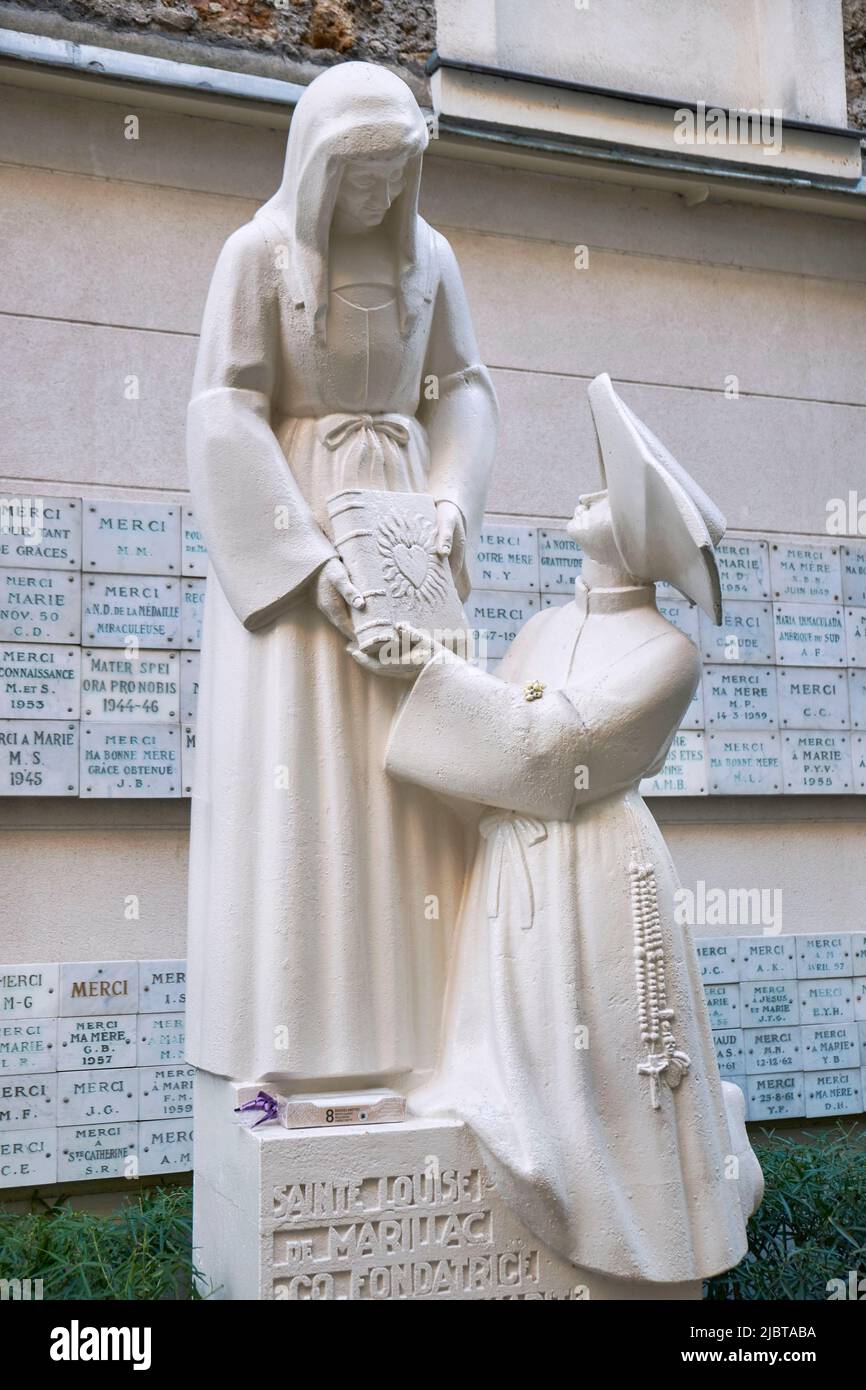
{"points": [[111, 245], [784, 54]]}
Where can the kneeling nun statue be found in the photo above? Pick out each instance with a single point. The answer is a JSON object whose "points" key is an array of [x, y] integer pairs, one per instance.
{"points": [[576, 1041]]}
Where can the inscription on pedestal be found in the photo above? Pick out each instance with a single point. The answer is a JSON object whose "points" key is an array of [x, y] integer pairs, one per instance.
{"points": [[430, 1234]]}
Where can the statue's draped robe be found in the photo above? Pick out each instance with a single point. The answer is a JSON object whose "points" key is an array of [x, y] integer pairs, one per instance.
{"points": [[322, 893], [541, 1041]]}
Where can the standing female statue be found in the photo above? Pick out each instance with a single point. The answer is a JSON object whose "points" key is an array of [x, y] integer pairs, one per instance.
{"points": [[576, 1041], [336, 351]]}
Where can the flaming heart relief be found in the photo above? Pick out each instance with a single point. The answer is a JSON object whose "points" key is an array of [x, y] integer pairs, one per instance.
{"points": [[410, 563]]}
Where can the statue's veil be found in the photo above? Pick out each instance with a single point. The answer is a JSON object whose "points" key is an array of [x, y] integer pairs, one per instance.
{"points": [[352, 111]]}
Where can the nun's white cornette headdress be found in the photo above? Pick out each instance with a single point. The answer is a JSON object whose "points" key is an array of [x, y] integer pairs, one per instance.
{"points": [[352, 111], [664, 525]]}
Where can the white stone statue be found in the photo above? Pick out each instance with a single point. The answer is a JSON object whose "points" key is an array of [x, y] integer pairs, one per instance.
{"points": [[336, 352], [576, 1042]]}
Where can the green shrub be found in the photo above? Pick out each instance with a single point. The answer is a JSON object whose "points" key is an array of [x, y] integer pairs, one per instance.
{"points": [[811, 1225], [141, 1251]]}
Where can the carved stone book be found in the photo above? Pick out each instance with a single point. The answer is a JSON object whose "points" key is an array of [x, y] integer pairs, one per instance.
{"points": [[387, 541]]}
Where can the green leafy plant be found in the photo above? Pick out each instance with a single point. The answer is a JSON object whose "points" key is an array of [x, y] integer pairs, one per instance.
{"points": [[142, 1251], [811, 1225]]}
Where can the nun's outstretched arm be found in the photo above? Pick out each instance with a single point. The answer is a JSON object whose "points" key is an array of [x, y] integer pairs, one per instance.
{"points": [[464, 733], [262, 538], [458, 404]]}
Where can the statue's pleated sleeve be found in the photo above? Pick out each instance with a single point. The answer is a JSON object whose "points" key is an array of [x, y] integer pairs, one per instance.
{"points": [[464, 733], [262, 538], [458, 404]]}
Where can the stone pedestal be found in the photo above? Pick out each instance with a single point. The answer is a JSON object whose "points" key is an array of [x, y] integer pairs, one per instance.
{"points": [[373, 1212]]}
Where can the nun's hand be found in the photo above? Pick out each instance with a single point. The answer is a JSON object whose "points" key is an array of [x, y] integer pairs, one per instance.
{"points": [[400, 659], [336, 595], [451, 534]]}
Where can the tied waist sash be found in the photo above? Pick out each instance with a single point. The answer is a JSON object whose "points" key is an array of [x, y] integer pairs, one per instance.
{"points": [[510, 837], [369, 446]]}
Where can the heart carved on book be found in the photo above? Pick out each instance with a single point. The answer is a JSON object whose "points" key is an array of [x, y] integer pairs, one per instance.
{"points": [[407, 545], [412, 561]]}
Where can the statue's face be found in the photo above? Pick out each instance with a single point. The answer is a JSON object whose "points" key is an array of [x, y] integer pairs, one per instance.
{"points": [[369, 187], [592, 528]]}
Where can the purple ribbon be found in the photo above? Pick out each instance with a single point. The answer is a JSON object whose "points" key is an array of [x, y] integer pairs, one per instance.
{"points": [[262, 1102]]}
